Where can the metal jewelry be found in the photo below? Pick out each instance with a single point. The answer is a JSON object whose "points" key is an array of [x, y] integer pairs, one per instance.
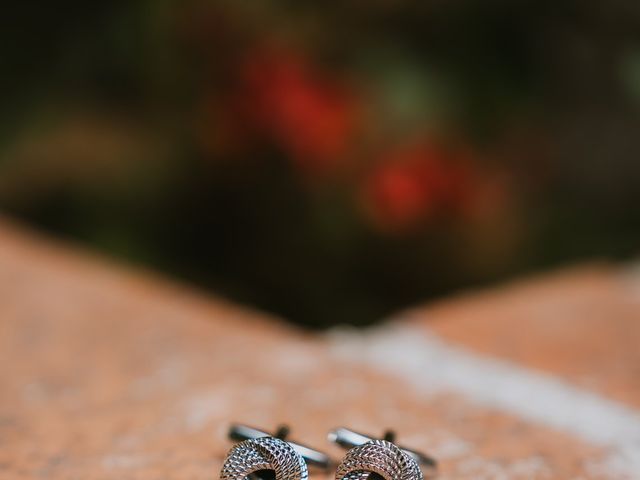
{"points": [[260, 456], [367, 455]]}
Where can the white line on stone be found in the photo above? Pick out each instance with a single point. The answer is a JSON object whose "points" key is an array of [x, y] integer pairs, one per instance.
{"points": [[433, 366]]}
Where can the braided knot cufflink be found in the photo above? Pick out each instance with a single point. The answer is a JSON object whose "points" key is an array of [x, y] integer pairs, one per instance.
{"points": [[382, 457], [260, 456]]}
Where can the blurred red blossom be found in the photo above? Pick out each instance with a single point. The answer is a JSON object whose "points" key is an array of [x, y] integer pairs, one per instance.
{"points": [[411, 184], [310, 114]]}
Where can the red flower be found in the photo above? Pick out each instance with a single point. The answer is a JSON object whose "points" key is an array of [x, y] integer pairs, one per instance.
{"points": [[412, 184], [309, 114]]}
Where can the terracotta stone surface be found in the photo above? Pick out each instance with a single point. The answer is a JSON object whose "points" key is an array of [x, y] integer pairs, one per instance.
{"points": [[107, 372], [582, 324]]}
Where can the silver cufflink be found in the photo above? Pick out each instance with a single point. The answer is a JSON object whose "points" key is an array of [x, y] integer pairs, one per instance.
{"points": [[262, 456], [383, 457]]}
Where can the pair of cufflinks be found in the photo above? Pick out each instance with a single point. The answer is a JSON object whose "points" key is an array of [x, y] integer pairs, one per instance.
{"points": [[262, 456]]}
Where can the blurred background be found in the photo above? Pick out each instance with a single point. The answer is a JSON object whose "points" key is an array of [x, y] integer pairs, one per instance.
{"points": [[331, 162]]}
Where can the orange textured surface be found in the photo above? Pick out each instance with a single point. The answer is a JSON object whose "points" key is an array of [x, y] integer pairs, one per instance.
{"points": [[111, 373], [582, 324]]}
